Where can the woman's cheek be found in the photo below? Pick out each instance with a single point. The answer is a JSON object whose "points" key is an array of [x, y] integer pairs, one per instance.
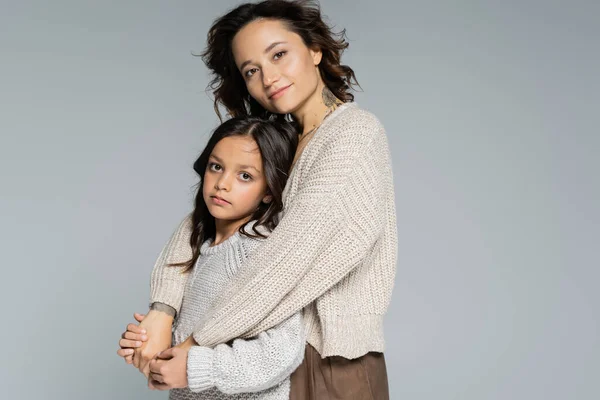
{"points": [[291, 67]]}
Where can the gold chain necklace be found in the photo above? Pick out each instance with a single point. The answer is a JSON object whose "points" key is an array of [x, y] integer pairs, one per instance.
{"points": [[304, 136]]}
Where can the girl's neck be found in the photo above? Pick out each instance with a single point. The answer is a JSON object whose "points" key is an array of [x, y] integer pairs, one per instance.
{"points": [[224, 229]]}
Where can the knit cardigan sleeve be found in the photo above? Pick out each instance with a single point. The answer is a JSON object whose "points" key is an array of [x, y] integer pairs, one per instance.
{"points": [[167, 283], [337, 214], [252, 365]]}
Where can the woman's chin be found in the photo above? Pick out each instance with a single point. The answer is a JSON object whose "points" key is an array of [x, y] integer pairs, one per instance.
{"points": [[285, 110], [281, 107]]}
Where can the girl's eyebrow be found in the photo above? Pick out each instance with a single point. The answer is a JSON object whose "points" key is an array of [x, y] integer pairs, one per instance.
{"points": [[238, 166], [268, 49], [248, 167]]}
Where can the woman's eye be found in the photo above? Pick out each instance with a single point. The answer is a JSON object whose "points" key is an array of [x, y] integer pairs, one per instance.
{"points": [[250, 72], [245, 176], [278, 55]]}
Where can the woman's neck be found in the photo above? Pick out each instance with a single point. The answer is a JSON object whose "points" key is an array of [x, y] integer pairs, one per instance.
{"points": [[316, 109], [224, 229]]}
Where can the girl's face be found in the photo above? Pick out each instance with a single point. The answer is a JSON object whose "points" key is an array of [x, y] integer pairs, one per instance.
{"points": [[234, 184], [280, 71]]}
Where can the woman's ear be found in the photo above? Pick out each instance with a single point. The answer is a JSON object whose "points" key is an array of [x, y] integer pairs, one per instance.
{"points": [[317, 55]]}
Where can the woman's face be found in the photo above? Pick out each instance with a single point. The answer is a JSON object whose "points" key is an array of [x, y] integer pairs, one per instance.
{"points": [[280, 71]]}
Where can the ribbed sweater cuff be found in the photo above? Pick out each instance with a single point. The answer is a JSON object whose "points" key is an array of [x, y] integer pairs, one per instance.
{"points": [[168, 291], [167, 309], [200, 369], [351, 336]]}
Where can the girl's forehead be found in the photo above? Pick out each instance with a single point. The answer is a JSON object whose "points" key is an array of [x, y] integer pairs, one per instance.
{"points": [[237, 148]]}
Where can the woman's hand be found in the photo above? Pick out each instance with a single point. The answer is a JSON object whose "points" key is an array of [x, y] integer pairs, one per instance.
{"points": [[169, 369], [131, 339], [158, 326]]}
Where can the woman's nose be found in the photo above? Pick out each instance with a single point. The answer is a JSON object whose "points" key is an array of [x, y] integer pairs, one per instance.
{"points": [[270, 75]]}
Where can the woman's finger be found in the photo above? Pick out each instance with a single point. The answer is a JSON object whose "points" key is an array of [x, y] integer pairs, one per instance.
{"points": [[125, 352], [135, 336], [129, 359], [129, 344], [135, 328], [139, 317]]}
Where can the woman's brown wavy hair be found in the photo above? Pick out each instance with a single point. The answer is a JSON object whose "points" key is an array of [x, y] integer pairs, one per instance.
{"points": [[300, 16]]}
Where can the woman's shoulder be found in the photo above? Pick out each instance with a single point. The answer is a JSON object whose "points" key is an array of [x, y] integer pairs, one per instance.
{"points": [[252, 228], [352, 123], [358, 114]]}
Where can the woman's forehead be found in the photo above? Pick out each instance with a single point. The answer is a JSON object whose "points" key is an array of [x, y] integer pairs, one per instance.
{"points": [[255, 38]]}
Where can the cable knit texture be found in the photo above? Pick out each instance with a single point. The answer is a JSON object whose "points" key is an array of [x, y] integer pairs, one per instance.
{"points": [[244, 369], [333, 253]]}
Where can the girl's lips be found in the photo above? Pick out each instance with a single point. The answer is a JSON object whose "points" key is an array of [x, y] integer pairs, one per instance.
{"points": [[219, 201]]}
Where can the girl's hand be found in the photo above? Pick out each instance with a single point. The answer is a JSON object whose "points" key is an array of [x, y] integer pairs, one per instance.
{"points": [[186, 344], [131, 339], [169, 370]]}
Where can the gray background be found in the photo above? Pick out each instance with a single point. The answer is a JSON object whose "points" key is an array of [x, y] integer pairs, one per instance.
{"points": [[492, 114]]}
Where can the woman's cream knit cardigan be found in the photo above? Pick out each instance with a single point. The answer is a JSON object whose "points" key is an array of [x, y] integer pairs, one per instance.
{"points": [[333, 253]]}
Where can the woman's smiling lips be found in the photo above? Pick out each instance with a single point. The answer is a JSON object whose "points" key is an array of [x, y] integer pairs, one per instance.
{"points": [[219, 201], [279, 92]]}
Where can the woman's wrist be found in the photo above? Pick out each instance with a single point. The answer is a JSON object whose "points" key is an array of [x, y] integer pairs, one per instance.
{"points": [[164, 308]]}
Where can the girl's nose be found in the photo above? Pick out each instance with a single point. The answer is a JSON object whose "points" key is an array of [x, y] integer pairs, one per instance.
{"points": [[223, 183]]}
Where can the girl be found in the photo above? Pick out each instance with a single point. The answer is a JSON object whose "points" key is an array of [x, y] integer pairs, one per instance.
{"points": [[242, 171], [333, 254]]}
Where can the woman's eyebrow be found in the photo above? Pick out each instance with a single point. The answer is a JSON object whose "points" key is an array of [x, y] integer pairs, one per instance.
{"points": [[272, 45], [268, 49]]}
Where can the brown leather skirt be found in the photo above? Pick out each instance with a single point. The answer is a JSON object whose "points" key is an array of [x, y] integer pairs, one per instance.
{"points": [[337, 378]]}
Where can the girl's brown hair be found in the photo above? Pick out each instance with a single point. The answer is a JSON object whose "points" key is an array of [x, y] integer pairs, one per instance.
{"points": [[277, 142], [300, 16]]}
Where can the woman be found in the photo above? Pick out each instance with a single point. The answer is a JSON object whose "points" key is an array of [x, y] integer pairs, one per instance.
{"points": [[333, 254]]}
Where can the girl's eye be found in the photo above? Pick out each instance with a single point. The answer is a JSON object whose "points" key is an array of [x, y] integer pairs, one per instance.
{"points": [[214, 167], [278, 55], [250, 72], [245, 176]]}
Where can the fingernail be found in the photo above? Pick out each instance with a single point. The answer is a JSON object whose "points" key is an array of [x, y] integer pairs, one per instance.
{"points": [[143, 331], [138, 343], [144, 337]]}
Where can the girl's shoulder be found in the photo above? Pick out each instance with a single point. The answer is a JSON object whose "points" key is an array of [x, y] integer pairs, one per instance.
{"points": [[238, 245]]}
